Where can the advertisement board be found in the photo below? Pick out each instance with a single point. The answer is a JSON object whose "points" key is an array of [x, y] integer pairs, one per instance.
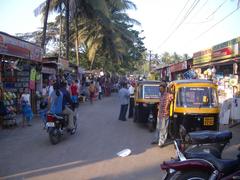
{"points": [[178, 67], [226, 50], [201, 57], [12, 46]]}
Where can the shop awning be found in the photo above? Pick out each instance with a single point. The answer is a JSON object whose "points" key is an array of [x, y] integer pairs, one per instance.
{"points": [[223, 62]]}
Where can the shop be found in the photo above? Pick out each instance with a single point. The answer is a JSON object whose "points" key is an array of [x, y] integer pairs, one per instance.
{"points": [[178, 69], [49, 69], [20, 68], [220, 64]]}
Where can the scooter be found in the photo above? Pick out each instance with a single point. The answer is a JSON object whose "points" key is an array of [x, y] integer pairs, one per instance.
{"points": [[200, 166], [56, 126]]}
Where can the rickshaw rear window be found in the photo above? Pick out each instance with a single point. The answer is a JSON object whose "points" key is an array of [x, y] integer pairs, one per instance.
{"points": [[197, 97], [151, 92]]}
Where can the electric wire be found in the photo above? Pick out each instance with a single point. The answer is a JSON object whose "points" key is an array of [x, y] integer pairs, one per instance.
{"points": [[194, 4], [185, 5], [204, 4], [217, 9], [211, 27]]}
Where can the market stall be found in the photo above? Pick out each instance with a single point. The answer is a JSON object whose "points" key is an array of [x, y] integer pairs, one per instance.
{"points": [[220, 64], [20, 68]]}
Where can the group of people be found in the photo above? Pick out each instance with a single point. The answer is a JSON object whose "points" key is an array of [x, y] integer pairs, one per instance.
{"points": [[126, 95]]}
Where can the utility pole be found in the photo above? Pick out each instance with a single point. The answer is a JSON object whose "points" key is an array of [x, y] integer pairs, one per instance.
{"points": [[150, 61]]}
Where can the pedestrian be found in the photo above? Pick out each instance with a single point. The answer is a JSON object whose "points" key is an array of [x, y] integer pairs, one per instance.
{"points": [[163, 117], [74, 91], [131, 102], [92, 91], [26, 106], [124, 99], [99, 92]]}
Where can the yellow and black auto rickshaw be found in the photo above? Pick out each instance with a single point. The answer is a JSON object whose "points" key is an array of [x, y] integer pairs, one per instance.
{"points": [[146, 102], [194, 106]]}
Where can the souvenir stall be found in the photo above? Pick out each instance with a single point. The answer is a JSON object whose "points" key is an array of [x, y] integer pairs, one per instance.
{"points": [[220, 64], [19, 69]]}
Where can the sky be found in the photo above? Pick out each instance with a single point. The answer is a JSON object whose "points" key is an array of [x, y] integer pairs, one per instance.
{"points": [[168, 25]]}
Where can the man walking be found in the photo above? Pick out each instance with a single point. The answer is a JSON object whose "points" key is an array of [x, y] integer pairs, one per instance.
{"points": [[163, 117], [124, 99]]}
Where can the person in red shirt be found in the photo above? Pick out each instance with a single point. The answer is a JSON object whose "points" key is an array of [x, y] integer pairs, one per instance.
{"points": [[74, 91], [163, 117]]}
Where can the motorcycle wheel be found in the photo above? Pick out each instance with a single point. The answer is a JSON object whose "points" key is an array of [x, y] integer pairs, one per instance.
{"points": [[73, 131], [54, 136], [190, 175]]}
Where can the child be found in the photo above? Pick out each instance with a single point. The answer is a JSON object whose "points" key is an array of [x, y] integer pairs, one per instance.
{"points": [[26, 107]]}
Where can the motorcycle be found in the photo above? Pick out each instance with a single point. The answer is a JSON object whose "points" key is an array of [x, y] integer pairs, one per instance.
{"points": [[212, 142], [56, 126], [200, 166]]}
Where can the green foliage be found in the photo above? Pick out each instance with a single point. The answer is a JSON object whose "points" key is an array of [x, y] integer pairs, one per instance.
{"points": [[101, 32]]}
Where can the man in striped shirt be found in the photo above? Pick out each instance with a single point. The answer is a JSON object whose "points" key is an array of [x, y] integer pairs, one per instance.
{"points": [[163, 117]]}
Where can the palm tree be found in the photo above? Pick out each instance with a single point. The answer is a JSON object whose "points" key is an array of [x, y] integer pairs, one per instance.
{"points": [[101, 27]]}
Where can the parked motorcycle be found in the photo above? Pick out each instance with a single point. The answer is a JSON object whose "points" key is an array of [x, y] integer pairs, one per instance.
{"points": [[57, 125], [200, 166], [205, 141]]}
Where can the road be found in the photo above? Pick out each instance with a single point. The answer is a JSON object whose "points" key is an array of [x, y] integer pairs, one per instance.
{"points": [[26, 153]]}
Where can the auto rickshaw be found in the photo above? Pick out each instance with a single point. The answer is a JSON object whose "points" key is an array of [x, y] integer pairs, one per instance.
{"points": [[194, 107], [146, 102]]}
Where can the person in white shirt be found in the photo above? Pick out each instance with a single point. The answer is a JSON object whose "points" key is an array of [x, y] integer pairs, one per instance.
{"points": [[26, 107], [131, 101]]}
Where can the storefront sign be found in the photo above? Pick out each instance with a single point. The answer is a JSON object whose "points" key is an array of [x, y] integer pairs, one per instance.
{"points": [[64, 63], [47, 70], [178, 67], [202, 56], [225, 50], [13, 46]]}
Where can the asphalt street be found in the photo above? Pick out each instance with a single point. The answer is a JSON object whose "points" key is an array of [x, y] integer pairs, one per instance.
{"points": [[26, 152]]}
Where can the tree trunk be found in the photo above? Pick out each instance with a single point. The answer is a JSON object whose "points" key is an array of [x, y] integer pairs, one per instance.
{"points": [[67, 29], [45, 26], [76, 41], [60, 36]]}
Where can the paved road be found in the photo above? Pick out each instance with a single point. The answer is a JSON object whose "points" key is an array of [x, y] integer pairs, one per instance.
{"points": [[26, 153]]}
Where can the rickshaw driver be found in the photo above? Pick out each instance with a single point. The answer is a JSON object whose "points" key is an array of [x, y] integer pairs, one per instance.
{"points": [[163, 117]]}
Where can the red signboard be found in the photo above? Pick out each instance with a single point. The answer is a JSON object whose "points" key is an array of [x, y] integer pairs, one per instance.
{"points": [[178, 67], [222, 52], [13, 46]]}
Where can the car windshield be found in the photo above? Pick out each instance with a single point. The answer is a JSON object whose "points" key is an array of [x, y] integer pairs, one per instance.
{"points": [[197, 97], [151, 92]]}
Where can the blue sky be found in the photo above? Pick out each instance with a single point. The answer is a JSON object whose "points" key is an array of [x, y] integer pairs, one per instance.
{"points": [[158, 19]]}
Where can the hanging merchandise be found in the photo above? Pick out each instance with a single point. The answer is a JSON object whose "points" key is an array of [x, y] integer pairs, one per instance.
{"points": [[32, 79], [235, 68], [190, 74], [38, 76]]}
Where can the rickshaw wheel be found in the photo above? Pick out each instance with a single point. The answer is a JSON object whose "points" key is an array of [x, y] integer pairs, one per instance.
{"points": [[151, 127]]}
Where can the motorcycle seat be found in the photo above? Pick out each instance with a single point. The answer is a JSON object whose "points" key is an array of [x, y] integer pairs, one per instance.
{"points": [[225, 166], [201, 137]]}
